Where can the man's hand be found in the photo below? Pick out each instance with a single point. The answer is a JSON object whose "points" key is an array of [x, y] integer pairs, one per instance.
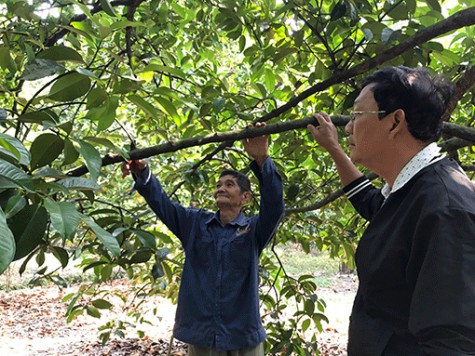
{"points": [[257, 147], [135, 167], [325, 134]]}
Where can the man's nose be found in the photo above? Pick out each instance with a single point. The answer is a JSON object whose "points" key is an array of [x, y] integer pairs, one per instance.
{"points": [[349, 127]]}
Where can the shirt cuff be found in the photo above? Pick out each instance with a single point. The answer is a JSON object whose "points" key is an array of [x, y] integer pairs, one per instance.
{"points": [[356, 186], [266, 167], [144, 177]]}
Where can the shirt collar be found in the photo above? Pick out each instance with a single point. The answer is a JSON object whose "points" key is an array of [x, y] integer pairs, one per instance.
{"points": [[425, 157], [241, 219]]}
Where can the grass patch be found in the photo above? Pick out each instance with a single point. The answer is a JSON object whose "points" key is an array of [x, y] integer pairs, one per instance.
{"points": [[319, 264]]}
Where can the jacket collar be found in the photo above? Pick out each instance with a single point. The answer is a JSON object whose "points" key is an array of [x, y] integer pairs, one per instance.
{"points": [[240, 220]]}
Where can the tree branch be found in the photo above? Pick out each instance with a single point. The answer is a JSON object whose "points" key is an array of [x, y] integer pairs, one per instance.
{"points": [[463, 84], [467, 133], [325, 201], [51, 41], [458, 20]]}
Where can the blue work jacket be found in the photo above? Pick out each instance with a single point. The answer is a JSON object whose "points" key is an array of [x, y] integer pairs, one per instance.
{"points": [[218, 301]]}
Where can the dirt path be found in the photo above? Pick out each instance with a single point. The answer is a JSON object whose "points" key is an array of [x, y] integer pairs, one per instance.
{"points": [[32, 322]]}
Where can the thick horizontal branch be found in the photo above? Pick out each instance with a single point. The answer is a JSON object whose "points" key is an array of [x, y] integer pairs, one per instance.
{"points": [[455, 143], [173, 146], [463, 132], [467, 133]]}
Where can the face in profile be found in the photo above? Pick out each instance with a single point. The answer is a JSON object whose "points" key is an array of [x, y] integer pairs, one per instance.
{"points": [[366, 131]]}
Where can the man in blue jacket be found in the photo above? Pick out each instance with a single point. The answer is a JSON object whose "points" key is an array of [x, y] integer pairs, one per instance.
{"points": [[416, 259], [218, 302]]}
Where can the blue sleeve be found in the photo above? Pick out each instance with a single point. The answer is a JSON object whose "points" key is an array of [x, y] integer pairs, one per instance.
{"points": [[271, 207], [365, 198], [176, 217]]}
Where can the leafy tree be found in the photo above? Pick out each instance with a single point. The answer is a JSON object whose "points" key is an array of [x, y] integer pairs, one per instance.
{"points": [[87, 84]]}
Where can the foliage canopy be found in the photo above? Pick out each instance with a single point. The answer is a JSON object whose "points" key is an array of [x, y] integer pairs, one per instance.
{"points": [[83, 80]]}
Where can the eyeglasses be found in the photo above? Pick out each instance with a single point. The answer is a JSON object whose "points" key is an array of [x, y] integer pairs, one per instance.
{"points": [[353, 114]]}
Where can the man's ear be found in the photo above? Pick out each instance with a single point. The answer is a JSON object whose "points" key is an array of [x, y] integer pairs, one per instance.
{"points": [[398, 122], [247, 196]]}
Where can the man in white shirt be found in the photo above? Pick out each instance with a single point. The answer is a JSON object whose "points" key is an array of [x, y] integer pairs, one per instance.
{"points": [[416, 259]]}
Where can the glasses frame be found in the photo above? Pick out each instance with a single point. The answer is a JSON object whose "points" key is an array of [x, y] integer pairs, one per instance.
{"points": [[356, 112]]}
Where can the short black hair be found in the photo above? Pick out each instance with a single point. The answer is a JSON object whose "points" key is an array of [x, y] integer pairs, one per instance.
{"points": [[423, 98], [242, 180]]}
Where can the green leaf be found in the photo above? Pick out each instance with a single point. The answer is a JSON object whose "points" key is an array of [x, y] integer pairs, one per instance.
{"points": [[6, 60], [28, 227], [102, 304], [92, 311], [86, 73], [125, 23], [164, 237], [64, 217], [79, 183], [104, 337], [157, 270], [14, 205], [218, 104], [92, 157], [61, 254], [49, 172], [104, 236], [96, 97], [167, 107], [107, 7], [146, 238], [141, 256], [41, 68], [67, 127], [7, 244], [104, 142], [309, 307], [43, 117], [6, 184], [69, 87], [8, 150], [60, 53], [15, 175], [164, 69], [242, 43], [127, 85], [70, 153], [45, 149], [293, 191], [434, 5], [269, 78], [104, 114], [144, 105], [338, 11]]}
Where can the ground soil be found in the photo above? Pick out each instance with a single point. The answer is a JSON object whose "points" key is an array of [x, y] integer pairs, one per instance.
{"points": [[32, 322]]}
